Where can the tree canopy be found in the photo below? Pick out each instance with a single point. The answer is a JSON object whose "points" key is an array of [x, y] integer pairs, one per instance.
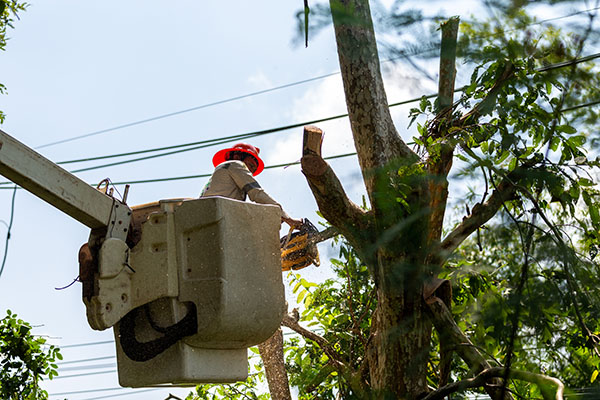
{"points": [[495, 292], [9, 10], [24, 360]]}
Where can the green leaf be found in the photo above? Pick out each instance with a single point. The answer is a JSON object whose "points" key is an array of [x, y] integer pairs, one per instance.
{"points": [[577, 141], [566, 129], [301, 296]]}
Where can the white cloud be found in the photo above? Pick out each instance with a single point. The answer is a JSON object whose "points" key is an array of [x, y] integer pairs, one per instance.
{"points": [[327, 99], [260, 80], [322, 101]]}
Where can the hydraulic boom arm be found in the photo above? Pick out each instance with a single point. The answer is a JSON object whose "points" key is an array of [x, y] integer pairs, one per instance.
{"points": [[62, 189]]}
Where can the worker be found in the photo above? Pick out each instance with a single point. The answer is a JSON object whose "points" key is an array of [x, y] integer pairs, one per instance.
{"points": [[234, 178]]}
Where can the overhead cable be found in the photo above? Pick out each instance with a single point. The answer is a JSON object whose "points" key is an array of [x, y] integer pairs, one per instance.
{"points": [[171, 114], [218, 141], [227, 139], [10, 223], [259, 92]]}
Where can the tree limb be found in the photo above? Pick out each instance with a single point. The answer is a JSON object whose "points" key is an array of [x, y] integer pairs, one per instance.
{"points": [[446, 327], [349, 219], [480, 380], [480, 214], [290, 321], [271, 353], [375, 137], [325, 234]]}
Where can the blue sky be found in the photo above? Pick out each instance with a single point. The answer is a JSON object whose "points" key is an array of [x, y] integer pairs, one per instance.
{"points": [[74, 67]]}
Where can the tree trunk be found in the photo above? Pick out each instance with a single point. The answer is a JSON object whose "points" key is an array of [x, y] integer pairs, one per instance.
{"points": [[401, 333], [271, 353]]}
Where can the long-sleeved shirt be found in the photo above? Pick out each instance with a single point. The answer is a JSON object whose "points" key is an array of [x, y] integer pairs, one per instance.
{"points": [[232, 179]]}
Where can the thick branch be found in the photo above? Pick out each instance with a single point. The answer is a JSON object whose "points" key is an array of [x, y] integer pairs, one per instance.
{"points": [[447, 64], [271, 353], [480, 380], [349, 219], [480, 214], [439, 166], [446, 327]]}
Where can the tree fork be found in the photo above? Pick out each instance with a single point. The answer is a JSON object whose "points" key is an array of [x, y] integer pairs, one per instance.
{"points": [[445, 325]]}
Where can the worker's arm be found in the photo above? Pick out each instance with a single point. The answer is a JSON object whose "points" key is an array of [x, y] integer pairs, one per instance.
{"points": [[244, 179]]}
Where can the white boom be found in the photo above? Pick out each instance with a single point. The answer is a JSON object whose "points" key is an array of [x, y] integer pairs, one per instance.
{"points": [[60, 188]]}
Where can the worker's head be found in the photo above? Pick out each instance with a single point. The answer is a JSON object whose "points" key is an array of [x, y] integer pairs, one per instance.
{"points": [[244, 152]]}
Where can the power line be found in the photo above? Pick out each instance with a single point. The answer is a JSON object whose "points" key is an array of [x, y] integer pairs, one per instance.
{"points": [[171, 114], [217, 141], [124, 394], [259, 92], [86, 344], [223, 140], [12, 215], [82, 367], [207, 175], [85, 374], [84, 360], [92, 391]]}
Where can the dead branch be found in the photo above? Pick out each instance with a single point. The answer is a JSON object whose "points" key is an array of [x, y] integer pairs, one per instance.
{"points": [[487, 104], [480, 380], [447, 327]]}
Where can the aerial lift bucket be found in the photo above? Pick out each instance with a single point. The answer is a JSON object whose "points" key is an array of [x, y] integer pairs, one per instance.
{"points": [[217, 258]]}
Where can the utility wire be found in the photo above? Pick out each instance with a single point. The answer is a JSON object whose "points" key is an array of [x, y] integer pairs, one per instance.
{"points": [[86, 344], [171, 114], [207, 175], [12, 215], [589, 104], [259, 92], [124, 394], [92, 391], [222, 140], [84, 360], [82, 367], [85, 374]]}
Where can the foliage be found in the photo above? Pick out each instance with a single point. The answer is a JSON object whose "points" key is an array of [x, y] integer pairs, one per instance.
{"points": [[521, 134], [551, 338], [340, 310], [9, 9], [24, 360]]}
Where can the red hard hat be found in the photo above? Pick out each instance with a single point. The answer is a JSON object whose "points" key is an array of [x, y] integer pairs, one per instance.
{"points": [[221, 155]]}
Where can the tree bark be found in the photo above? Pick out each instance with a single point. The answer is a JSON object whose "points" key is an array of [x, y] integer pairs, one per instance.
{"points": [[375, 137], [271, 353], [394, 241]]}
